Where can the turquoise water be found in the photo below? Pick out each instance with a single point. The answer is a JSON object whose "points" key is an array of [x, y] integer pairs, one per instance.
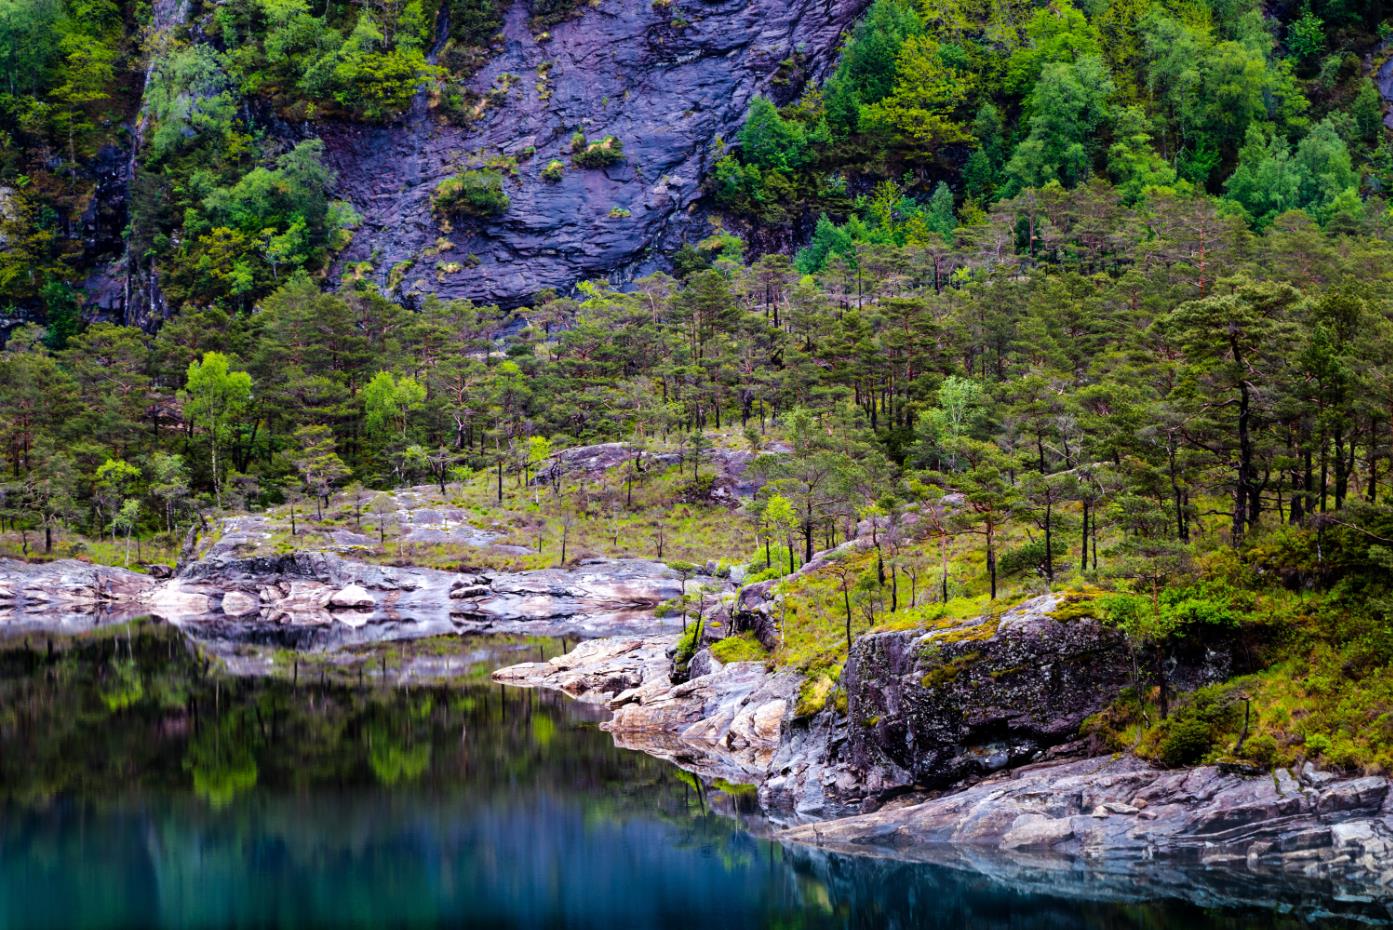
{"points": [[138, 789]]}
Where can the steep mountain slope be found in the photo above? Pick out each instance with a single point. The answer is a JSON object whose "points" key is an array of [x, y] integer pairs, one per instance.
{"points": [[621, 68]]}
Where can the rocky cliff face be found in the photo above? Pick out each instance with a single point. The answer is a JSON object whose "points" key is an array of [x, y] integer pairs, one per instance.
{"points": [[664, 79], [927, 710]]}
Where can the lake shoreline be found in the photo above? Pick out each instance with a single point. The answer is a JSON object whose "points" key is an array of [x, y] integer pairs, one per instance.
{"points": [[736, 722]]}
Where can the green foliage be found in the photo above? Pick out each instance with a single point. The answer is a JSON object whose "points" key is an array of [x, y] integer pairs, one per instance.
{"points": [[922, 110], [1306, 36], [388, 401], [369, 66], [190, 103], [867, 69], [741, 648], [214, 397], [471, 193], [601, 154], [1029, 557], [770, 142], [1065, 115], [828, 240], [1270, 179]]}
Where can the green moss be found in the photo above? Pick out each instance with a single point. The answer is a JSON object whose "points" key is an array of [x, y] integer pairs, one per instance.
{"points": [[1078, 604], [813, 693], [742, 648], [946, 672]]}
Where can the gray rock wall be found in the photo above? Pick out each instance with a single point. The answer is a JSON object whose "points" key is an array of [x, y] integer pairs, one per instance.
{"points": [[619, 68]]}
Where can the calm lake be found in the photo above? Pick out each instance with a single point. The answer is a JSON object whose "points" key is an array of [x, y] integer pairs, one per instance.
{"points": [[395, 787]]}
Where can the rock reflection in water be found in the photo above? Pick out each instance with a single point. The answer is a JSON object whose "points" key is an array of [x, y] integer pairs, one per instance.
{"points": [[140, 786]]}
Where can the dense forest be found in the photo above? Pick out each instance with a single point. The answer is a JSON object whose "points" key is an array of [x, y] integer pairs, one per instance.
{"points": [[1116, 276]]}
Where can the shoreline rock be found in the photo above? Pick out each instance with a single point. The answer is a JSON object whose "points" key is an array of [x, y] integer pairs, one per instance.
{"points": [[1315, 824], [863, 785], [343, 601], [726, 723]]}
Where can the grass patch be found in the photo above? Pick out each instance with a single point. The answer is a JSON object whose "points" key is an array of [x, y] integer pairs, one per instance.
{"points": [[742, 648]]}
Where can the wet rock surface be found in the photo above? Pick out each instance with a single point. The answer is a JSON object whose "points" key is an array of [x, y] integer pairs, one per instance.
{"points": [[322, 600], [1052, 886], [1313, 823], [1383, 79], [725, 723], [665, 88], [964, 716]]}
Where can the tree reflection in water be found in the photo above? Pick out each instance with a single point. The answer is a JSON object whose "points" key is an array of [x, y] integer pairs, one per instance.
{"points": [[139, 786]]}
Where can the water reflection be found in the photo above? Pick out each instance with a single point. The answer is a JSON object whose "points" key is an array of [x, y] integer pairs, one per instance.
{"points": [[138, 787]]}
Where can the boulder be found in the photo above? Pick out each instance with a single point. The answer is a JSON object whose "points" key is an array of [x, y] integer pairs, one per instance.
{"points": [[240, 604], [353, 596], [940, 706]]}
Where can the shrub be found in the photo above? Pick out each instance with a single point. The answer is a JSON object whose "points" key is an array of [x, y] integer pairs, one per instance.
{"points": [[554, 170], [1196, 729], [472, 193], [608, 151], [1261, 750], [687, 645], [1186, 741]]}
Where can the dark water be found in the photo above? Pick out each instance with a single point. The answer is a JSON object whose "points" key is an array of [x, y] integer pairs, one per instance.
{"points": [[140, 789]]}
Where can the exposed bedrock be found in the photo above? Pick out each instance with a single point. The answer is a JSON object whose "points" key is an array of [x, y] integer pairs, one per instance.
{"points": [[621, 68], [725, 722], [1313, 823], [323, 600], [977, 883], [982, 719]]}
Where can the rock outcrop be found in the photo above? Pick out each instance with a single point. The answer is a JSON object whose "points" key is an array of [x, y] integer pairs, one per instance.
{"points": [[963, 716], [664, 84], [724, 723], [67, 593], [1315, 823], [924, 709], [927, 710], [933, 708], [733, 478], [322, 599]]}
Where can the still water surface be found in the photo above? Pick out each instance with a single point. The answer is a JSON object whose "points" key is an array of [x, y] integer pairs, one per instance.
{"points": [[138, 789]]}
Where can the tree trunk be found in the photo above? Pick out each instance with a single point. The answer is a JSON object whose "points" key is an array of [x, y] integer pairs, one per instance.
{"points": [[846, 601], [1083, 549], [991, 558]]}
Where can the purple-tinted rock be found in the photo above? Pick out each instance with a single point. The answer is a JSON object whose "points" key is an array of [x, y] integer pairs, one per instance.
{"points": [[618, 68]]}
